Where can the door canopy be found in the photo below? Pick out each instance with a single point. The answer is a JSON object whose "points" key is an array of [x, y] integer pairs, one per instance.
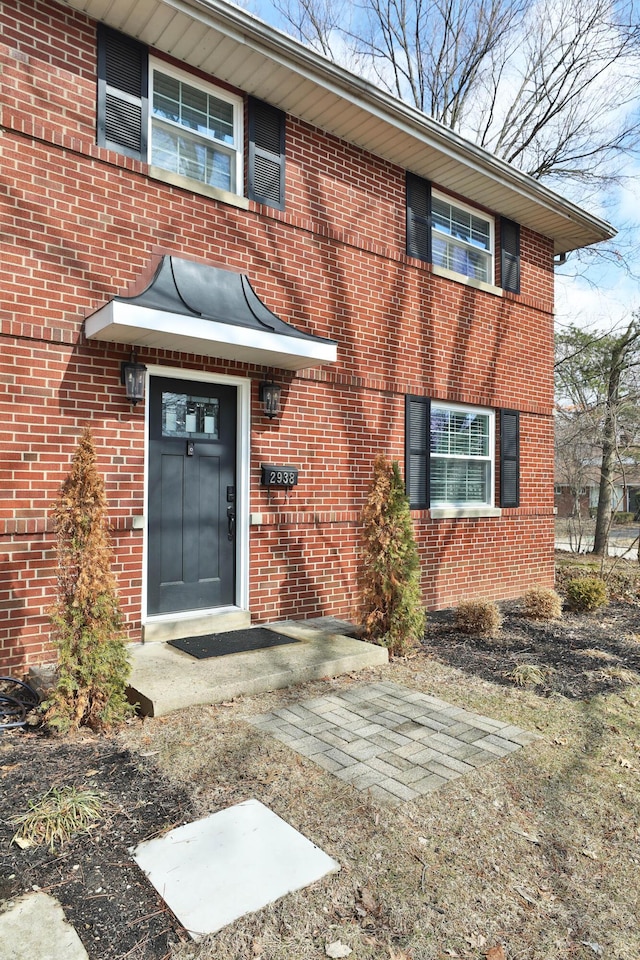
{"points": [[195, 308]]}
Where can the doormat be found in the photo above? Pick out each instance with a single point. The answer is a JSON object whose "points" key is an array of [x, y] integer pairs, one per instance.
{"points": [[236, 641]]}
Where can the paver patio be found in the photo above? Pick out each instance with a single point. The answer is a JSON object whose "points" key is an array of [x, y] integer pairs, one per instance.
{"points": [[395, 742]]}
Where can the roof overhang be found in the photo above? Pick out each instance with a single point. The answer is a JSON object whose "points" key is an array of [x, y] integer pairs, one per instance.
{"points": [[194, 308], [232, 45]]}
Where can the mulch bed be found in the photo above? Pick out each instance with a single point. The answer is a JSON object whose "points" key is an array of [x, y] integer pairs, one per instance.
{"points": [[114, 909], [566, 650]]}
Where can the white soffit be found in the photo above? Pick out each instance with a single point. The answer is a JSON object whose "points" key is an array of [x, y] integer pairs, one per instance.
{"points": [[234, 46], [119, 322]]}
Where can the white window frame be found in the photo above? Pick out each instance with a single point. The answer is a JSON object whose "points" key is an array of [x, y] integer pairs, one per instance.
{"points": [[235, 152], [489, 459], [473, 211]]}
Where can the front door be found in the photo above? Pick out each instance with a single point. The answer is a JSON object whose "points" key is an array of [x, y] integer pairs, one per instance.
{"points": [[192, 496]]}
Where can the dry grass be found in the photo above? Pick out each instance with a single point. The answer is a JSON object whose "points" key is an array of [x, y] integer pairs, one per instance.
{"points": [[538, 852], [528, 675], [57, 816]]}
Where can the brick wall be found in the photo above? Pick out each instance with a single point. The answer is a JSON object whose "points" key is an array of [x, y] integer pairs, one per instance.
{"points": [[82, 224]]}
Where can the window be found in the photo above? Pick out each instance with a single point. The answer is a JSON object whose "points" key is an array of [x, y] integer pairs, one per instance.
{"points": [[450, 456], [195, 130], [461, 240], [168, 118], [461, 456]]}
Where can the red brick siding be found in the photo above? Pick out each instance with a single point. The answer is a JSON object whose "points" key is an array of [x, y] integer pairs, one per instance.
{"points": [[84, 224]]}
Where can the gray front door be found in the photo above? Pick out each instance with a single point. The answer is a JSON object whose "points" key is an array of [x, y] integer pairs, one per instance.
{"points": [[192, 490]]}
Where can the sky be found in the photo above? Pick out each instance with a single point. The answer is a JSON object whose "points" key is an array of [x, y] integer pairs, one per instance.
{"points": [[596, 292], [606, 295]]}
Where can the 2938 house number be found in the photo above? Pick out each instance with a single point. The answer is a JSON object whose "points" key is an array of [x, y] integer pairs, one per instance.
{"points": [[278, 476]]}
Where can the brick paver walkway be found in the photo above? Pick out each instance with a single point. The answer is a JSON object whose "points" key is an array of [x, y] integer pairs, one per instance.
{"points": [[393, 741]]}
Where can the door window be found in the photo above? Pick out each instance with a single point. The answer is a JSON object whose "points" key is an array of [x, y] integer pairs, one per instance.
{"points": [[193, 418]]}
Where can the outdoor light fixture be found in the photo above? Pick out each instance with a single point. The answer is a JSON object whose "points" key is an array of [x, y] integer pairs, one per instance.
{"points": [[132, 376], [270, 398]]}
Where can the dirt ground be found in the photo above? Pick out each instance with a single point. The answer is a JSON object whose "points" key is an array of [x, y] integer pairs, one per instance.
{"points": [[534, 857]]}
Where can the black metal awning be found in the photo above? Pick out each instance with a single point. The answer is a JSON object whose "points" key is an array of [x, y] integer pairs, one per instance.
{"points": [[196, 308]]}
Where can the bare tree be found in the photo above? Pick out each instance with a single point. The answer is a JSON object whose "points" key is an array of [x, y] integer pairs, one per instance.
{"points": [[575, 467], [577, 79], [551, 88], [618, 396], [598, 385]]}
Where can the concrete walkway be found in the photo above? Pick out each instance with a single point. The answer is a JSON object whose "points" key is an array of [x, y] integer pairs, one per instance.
{"points": [[164, 679], [396, 743], [34, 927]]}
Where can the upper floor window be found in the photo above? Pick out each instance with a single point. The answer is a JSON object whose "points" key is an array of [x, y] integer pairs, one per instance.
{"points": [[172, 120], [461, 240], [195, 130]]}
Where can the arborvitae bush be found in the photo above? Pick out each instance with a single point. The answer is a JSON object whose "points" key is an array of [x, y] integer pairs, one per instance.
{"points": [[391, 603], [86, 621], [586, 593], [479, 618], [542, 603]]}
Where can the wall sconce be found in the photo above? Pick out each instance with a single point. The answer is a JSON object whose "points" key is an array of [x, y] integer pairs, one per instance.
{"points": [[270, 399], [132, 375]]}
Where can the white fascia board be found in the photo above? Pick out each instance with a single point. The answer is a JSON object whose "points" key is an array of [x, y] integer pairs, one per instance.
{"points": [[246, 28], [119, 322], [569, 225]]}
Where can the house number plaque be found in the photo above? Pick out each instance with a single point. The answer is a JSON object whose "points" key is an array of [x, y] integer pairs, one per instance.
{"points": [[278, 476]]}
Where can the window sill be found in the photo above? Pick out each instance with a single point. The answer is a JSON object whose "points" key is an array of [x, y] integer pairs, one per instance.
{"points": [[195, 186], [452, 513], [467, 281]]}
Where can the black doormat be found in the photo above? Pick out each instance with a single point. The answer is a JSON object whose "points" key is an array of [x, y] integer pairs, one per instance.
{"points": [[237, 641]]}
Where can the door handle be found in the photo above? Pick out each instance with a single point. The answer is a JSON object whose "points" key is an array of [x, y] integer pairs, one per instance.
{"points": [[231, 522]]}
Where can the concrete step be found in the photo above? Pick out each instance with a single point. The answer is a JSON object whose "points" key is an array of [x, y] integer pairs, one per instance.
{"points": [[164, 679], [197, 626]]}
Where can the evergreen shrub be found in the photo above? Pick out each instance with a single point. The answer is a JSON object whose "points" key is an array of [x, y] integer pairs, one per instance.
{"points": [[391, 604], [479, 618], [86, 620], [585, 594]]}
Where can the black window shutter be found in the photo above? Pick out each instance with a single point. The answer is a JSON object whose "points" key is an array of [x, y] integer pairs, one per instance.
{"points": [[266, 154], [418, 217], [123, 100], [510, 255], [509, 458], [416, 455]]}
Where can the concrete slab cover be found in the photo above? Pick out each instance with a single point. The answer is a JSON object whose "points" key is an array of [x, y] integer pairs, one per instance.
{"points": [[215, 870], [34, 927]]}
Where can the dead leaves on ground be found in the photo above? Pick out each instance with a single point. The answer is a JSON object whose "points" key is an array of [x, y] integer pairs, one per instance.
{"points": [[367, 905], [496, 953], [337, 950], [493, 953]]}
